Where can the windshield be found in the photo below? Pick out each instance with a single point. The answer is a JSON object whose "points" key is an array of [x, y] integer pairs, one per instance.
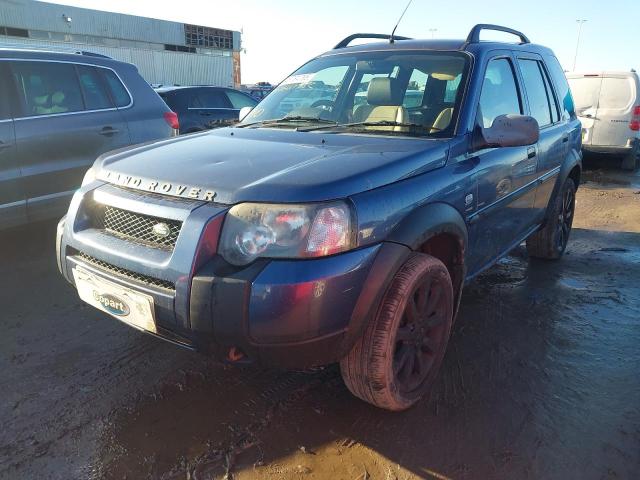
{"points": [[412, 93]]}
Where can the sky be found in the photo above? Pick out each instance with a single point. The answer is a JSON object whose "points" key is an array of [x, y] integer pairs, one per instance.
{"points": [[280, 35]]}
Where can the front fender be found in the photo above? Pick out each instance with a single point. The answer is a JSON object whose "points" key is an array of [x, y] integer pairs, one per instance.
{"points": [[427, 221]]}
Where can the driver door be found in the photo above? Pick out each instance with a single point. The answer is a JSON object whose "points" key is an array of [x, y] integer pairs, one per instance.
{"points": [[506, 176]]}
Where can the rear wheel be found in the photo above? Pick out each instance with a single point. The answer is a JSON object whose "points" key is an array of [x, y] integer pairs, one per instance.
{"points": [[551, 241], [397, 358], [632, 160]]}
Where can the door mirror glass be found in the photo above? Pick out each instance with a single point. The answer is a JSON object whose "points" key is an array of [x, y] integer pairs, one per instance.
{"points": [[244, 111], [508, 131]]}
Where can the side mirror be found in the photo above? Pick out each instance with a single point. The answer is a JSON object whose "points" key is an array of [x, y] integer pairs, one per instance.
{"points": [[244, 111], [508, 131]]}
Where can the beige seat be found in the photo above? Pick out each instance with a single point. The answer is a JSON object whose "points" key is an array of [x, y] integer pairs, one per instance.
{"points": [[442, 120], [384, 103]]}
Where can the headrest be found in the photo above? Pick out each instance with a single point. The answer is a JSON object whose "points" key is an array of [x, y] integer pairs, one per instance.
{"points": [[41, 100], [57, 98], [384, 91]]}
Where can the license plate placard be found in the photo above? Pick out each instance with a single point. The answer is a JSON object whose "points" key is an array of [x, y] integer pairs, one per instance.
{"points": [[129, 306]]}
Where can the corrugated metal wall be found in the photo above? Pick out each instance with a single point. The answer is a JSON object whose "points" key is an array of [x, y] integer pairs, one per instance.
{"points": [[33, 15], [163, 67]]}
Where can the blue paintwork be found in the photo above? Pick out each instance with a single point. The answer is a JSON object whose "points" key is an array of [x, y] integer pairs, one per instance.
{"points": [[401, 189], [193, 119], [289, 300]]}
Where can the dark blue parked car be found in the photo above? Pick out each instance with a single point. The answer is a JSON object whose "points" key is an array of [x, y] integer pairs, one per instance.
{"points": [[340, 229], [203, 108]]}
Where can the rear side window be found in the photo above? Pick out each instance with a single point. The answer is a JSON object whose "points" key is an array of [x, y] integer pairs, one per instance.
{"points": [[616, 93], [499, 92], [536, 91], [118, 91], [209, 98], [93, 89], [170, 100], [47, 88], [239, 100]]}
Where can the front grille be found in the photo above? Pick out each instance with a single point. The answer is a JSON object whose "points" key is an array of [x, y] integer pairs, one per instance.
{"points": [[139, 228], [127, 274]]}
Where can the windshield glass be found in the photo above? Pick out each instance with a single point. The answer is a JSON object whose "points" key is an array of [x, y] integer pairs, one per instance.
{"points": [[414, 93]]}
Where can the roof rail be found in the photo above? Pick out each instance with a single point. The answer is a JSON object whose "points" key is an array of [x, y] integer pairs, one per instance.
{"points": [[474, 34], [346, 41], [92, 54]]}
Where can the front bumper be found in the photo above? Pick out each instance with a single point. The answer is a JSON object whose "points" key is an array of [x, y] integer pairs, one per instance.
{"points": [[289, 313]]}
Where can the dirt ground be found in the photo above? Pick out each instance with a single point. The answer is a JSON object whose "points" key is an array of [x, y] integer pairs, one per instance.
{"points": [[541, 380]]}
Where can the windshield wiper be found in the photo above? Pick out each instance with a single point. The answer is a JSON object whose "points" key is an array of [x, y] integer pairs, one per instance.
{"points": [[413, 127], [286, 120]]}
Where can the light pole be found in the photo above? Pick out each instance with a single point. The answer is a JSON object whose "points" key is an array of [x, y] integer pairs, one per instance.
{"points": [[575, 58], [433, 32]]}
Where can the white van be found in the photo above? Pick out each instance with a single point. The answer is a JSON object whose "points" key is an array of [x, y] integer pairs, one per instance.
{"points": [[608, 105]]}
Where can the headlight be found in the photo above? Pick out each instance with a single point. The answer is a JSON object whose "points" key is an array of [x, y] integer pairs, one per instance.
{"points": [[89, 177], [253, 230]]}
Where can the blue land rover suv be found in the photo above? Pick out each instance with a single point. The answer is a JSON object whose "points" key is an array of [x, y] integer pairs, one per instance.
{"points": [[330, 228]]}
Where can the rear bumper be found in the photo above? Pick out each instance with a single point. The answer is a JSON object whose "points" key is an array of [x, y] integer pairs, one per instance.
{"points": [[618, 150], [288, 313]]}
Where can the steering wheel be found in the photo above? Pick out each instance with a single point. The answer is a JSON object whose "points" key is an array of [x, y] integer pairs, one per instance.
{"points": [[324, 104]]}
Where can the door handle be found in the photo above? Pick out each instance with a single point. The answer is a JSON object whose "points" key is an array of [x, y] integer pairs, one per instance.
{"points": [[4, 145], [531, 152], [565, 139], [108, 131]]}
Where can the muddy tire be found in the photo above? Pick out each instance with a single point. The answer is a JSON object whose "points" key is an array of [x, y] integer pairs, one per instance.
{"points": [[551, 241], [397, 358]]}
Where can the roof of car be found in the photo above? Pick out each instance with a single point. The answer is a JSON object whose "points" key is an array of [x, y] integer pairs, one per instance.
{"points": [[60, 56]]}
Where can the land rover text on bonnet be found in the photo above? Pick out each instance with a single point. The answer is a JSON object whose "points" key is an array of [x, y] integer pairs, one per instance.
{"points": [[340, 220]]}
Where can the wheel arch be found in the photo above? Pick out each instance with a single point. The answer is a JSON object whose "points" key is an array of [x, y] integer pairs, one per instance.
{"points": [[439, 230], [570, 168]]}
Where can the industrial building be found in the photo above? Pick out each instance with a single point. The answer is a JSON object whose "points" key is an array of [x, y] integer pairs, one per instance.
{"points": [[168, 53]]}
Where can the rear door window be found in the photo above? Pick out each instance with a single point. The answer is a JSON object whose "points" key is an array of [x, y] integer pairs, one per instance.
{"points": [[500, 94], [5, 95], [93, 89], [555, 114], [240, 100], [563, 92], [118, 91], [536, 91], [209, 98], [616, 93], [47, 88]]}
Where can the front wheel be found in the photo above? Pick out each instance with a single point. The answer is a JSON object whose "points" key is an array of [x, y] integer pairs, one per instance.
{"points": [[551, 241], [397, 358]]}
